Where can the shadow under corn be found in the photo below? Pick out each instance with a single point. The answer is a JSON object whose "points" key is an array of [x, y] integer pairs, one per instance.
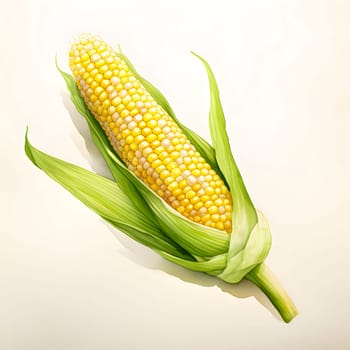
{"points": [[142, 255]]}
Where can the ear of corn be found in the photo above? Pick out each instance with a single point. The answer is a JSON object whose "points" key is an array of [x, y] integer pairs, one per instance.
{"points": [[148, 141], [134, 207]]}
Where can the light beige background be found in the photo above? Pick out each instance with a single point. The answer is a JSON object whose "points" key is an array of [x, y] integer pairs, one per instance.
{"points": [[69, 281]]}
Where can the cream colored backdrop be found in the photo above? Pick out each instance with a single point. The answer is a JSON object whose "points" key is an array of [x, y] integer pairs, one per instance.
{"points": [[69, 281]]}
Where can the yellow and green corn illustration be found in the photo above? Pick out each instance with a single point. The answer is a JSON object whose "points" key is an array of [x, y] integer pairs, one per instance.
{"points": [[172, 191]]}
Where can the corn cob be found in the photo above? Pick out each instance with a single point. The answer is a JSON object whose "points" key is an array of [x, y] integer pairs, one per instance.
{"points": [[146, 138]]}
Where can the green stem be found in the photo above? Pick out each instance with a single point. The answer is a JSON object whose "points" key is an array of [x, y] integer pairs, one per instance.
{"points": [[263, 277]]}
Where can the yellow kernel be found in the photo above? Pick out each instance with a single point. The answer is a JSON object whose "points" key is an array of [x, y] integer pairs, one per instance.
{"points": [[108, 74], [146, 131], [147, 117], [157, 150], [134, 112], [198, 205], [175, 154], [98, 90], [164, 174], [195, 200], [125, 133], [196, 172], [170, 166], [163, 155], [116, 101], [131, 106], [157, 130], [119, 87], [98, 77], [152, 123], [160, 168], [143, 145], [219, 202], [156, 144], [215, 217], [120, 108], [185, 202], [189, 207], [190, 194], [182, 183], [169, 179], [208, 204], [175, 172], [126, 99], [177, 192], [94, 72], [205, 218], [223, 218], [104, 83], [150, 138], [134, 162], [220, 225], [142, 124], [130, 155], [187, 189], [129, 139], [156, 163], [152, 157], [150, 179], [180, 209], [209, 191], [213, 209], [187, 160], [124, 113], [196, 187], [103, 96], [136, 131], [167, 160], [138, 138], [180, 197], [173, 186], [228, 208]]}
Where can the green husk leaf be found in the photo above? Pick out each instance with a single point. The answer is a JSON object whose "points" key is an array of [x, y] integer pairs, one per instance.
{"points": [[104, 197], [197, 240], [202, 146], [102, 143], [244, 214], [214, 264], [254, 252]]}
